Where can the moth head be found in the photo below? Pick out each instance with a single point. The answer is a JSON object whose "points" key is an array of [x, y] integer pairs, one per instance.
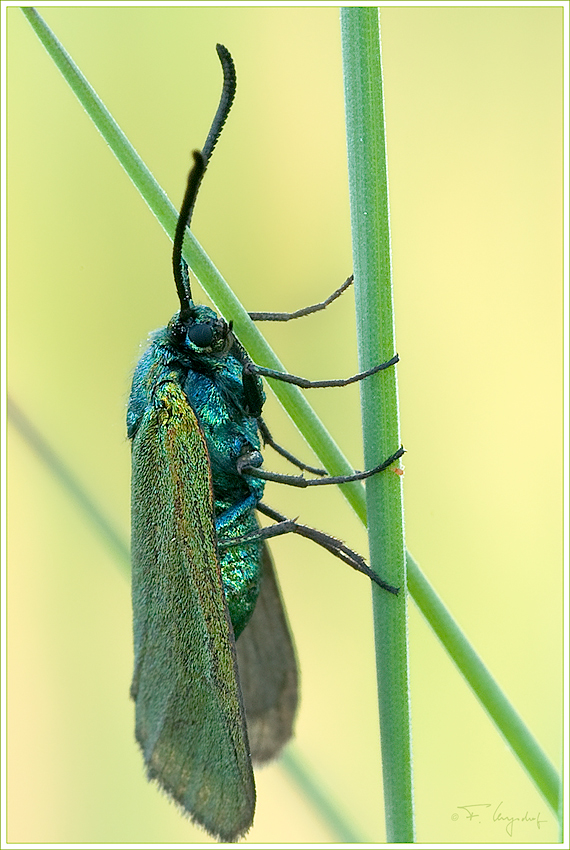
{"points": [[199, 331]]}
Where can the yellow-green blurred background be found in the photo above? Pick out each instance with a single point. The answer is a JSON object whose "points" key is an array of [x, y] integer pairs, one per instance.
{"points": [[473, 103]]}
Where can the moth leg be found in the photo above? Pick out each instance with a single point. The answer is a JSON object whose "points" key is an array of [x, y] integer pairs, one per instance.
{"points": [[300, 481], [308, 385], [331, 544], [269, 441], [304, 311]]}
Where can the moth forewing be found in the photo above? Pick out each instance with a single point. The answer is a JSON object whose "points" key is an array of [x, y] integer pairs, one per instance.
{"points": [[190, 720]]}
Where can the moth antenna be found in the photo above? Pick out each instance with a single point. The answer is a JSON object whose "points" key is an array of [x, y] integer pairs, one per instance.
{"points": [[201, 159], [227, 98], [179, 264]]}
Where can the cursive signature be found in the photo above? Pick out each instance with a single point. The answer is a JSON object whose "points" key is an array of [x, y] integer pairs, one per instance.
{"points": [[477, 811]]}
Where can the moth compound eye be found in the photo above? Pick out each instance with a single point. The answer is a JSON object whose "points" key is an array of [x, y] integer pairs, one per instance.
{"points": [[201, 334]]}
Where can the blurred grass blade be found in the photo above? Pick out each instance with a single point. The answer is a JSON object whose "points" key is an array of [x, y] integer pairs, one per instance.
{"points": [[370, 225], [293, 763], [70, 484], [290, 397], [303, 776]]}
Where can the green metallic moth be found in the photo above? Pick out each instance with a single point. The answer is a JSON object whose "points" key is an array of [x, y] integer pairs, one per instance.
{"points": [[215, 675]]}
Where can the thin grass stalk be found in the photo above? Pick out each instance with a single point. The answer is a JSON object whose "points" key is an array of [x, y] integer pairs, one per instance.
{"points": [[368, 185], [501, 711], [541, 770]]}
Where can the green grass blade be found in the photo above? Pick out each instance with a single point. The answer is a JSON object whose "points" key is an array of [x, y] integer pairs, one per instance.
{"points": [[291, 398], [503, 714], [368, 185]]}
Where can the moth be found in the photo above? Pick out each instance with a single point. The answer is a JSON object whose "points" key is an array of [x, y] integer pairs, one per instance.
{"points": [[215, 675]]}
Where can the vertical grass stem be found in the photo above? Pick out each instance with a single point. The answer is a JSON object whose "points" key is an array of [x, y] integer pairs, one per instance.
{"points": [[368, 184]]}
